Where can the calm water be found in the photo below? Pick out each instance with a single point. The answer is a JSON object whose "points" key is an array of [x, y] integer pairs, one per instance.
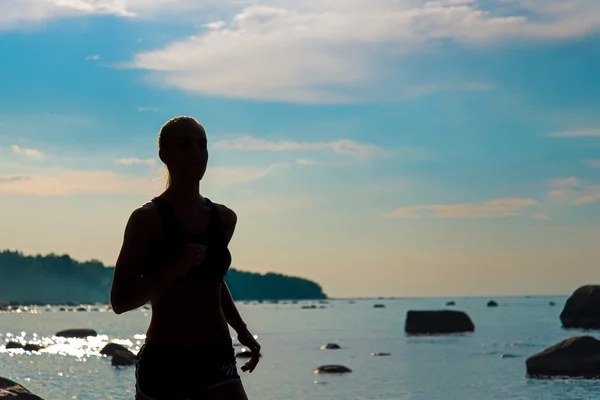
{"points": [[486, 365]]}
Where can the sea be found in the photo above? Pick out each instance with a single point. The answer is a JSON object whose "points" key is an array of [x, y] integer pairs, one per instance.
{"points": [[488, 364]]}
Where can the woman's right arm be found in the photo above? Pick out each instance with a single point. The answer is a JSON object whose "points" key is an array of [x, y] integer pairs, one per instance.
{"points": [[129, 290]]}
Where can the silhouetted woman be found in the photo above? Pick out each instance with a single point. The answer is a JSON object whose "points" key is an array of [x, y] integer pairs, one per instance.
{"points": [[175, 255]]}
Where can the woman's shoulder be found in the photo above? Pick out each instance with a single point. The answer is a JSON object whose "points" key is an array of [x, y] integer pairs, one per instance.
{"points": [[146, 216], [228, 216]]}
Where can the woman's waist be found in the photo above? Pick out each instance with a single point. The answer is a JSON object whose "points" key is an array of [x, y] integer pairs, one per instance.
{"points": [[188, 329]]}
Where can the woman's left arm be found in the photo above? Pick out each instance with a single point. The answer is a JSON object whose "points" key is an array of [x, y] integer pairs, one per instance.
{"points": [[230, 311], [233, 317]]}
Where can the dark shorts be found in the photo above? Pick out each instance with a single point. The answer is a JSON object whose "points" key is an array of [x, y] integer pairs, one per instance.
{"points": [[173, 372]]}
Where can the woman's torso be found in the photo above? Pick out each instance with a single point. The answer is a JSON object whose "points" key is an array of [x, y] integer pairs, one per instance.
{"points": [[189, 311]]}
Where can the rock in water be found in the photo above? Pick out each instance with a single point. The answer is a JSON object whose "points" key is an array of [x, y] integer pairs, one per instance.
{"points": [[437, 322], [13, 391], [492, 303], [77, 333], [123, 358], [332, 369], [330, 346], [111, 348], [582, 309], [578, 356]]}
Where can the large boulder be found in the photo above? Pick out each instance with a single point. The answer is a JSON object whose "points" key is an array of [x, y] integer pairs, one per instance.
{"points": [[582, 309], [431, 322], [574, 357], [13, 391]]}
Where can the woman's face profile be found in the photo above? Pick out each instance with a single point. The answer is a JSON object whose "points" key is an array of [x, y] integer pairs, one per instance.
{"points": [[186, 153]]}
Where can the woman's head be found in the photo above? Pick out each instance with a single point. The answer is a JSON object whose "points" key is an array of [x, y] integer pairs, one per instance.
{"points": [[182, 147]]}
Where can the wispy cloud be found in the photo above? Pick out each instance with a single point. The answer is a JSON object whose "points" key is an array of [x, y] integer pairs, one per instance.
{"points": [[276, 205], [31, 153], [542, 217], [147, 109], [593, 163], [347, 147], [574, 190], [577, 133], [65, 182], [227, 176], [429, 89], [136, 161], [314, 163], [93, 57], [558, 228], [504, 207]]}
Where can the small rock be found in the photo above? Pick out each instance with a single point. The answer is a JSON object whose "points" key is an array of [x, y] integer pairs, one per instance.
{"points": [[451, 303], [552, 304], [123, 358], [33, 347], [330, 346], [492, 303], [378, 354], [378, 305], [77, 333], [14, 345], [332, 369]]}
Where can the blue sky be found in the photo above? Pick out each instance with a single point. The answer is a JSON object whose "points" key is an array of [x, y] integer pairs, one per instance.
{"points": [[401, 148]]}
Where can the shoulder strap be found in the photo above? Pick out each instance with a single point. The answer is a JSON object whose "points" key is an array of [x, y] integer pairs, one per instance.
{"points": [[216, 223]]}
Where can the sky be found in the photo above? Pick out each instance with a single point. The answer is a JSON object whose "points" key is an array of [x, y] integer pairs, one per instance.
{"points": [[377, 147]]}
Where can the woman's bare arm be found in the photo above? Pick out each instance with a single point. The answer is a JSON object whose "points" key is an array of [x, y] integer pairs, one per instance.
{"points": [[129, 290]]}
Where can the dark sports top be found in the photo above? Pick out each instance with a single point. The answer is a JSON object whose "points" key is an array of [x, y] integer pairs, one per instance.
{"points": [[174, 237]]}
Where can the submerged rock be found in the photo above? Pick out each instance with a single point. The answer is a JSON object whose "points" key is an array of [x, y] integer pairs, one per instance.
{"points": [[578, 356], [437, 322], [582, 309], [77, 333], [13, 391]]}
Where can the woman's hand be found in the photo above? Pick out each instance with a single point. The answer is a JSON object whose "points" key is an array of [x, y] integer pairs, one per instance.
{"points": [[247, 339], [193, 254]]}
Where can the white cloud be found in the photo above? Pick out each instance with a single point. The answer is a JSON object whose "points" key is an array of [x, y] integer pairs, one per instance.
{"points": [[319, 51], [94, 57], [326, 50], [147, 109], [360, 151], [31, 153], [505, 207], [135, 161]]}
